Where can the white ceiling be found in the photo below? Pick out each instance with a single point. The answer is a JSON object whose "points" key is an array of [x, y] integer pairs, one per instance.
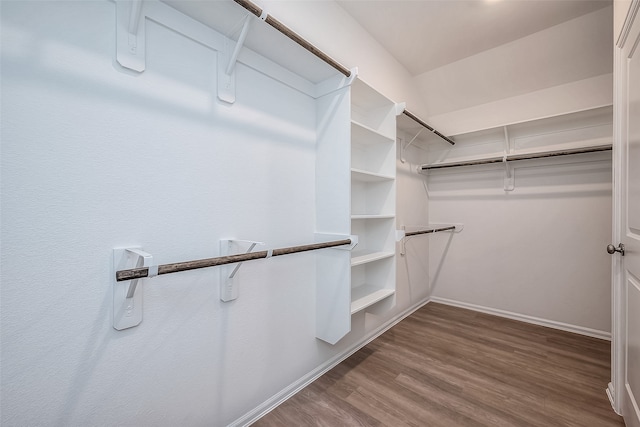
{"points": [[425, 35]]}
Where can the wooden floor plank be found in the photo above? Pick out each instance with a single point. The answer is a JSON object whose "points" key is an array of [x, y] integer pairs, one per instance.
{"points": [[447, 366]]}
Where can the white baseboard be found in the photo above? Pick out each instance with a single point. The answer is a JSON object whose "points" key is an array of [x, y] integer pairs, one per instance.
{"points": [[269, 405], [631, 411], [528, 319]]}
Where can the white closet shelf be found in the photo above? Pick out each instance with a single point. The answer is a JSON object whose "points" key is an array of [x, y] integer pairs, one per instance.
{"points": [[367, 98], [366, 176], [363, 134], [366, 256], [365, 295], [519, 156], [372, 216]]}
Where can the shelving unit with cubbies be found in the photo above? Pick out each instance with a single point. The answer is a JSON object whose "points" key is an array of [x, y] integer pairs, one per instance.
{"points": [[373, 196], [355, 195]]}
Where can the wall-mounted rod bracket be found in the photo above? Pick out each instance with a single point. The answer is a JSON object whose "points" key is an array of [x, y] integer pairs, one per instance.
{"points": [[130, 34], [238, 46], [507, 141], [127, 298], [134, 16], [144, 260], [429, 128], [229, 287], [509, 175], [227, 63], [403, 147]]}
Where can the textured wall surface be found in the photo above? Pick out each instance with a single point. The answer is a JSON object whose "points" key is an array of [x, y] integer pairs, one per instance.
{"points": [[96, 157]]}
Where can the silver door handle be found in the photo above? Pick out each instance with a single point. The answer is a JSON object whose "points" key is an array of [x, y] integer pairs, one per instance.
{"points": [[612, 249]]}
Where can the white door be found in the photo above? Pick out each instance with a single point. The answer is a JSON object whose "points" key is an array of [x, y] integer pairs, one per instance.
{"points": [[626, 264]]}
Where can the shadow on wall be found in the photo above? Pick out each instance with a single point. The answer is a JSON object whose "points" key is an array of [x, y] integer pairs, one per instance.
{"points": [[64, 66], [440, 263]]}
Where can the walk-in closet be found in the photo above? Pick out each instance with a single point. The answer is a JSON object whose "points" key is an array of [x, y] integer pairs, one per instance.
{"points": [[332, 212]]}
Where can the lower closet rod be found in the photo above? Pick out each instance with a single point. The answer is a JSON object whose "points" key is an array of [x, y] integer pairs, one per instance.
{"points": [[435, 230], [137, 273]]}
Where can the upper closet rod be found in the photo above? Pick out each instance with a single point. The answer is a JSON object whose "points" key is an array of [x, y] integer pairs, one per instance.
{"points": [[422, 123], [516, 157], [257, 11], [137, 273]]}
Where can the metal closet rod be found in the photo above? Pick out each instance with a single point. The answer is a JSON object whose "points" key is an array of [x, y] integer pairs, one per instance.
{"points": [[257, 11], [137, 273], [516, 157], [422, 123], [434, 230]]}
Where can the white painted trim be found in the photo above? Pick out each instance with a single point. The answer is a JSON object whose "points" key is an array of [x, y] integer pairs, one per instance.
{"points": [[631, 404], [279, 398], [628, 23], [528, 319], [617, 275], [610, 390]]}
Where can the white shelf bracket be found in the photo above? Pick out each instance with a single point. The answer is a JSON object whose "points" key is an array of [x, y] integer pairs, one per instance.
{"points": [[226, 82], [403, 147], [509, 175], [400, 235], [238, 46], [130, 34], [127, 298], [229, 287], [227, 63], [509, 179], [507, 142]]}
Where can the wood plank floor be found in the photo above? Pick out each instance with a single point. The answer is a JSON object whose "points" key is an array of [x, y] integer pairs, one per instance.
{"points": [[446, 366]]}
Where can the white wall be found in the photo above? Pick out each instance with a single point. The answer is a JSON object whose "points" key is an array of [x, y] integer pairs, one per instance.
{"points": [[564, 53], [96, 157], [536, 253], [526, 79], [412, 212], [567, 98]]}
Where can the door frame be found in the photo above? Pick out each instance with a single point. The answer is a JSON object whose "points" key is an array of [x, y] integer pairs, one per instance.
{"points": [[615, 389]]}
